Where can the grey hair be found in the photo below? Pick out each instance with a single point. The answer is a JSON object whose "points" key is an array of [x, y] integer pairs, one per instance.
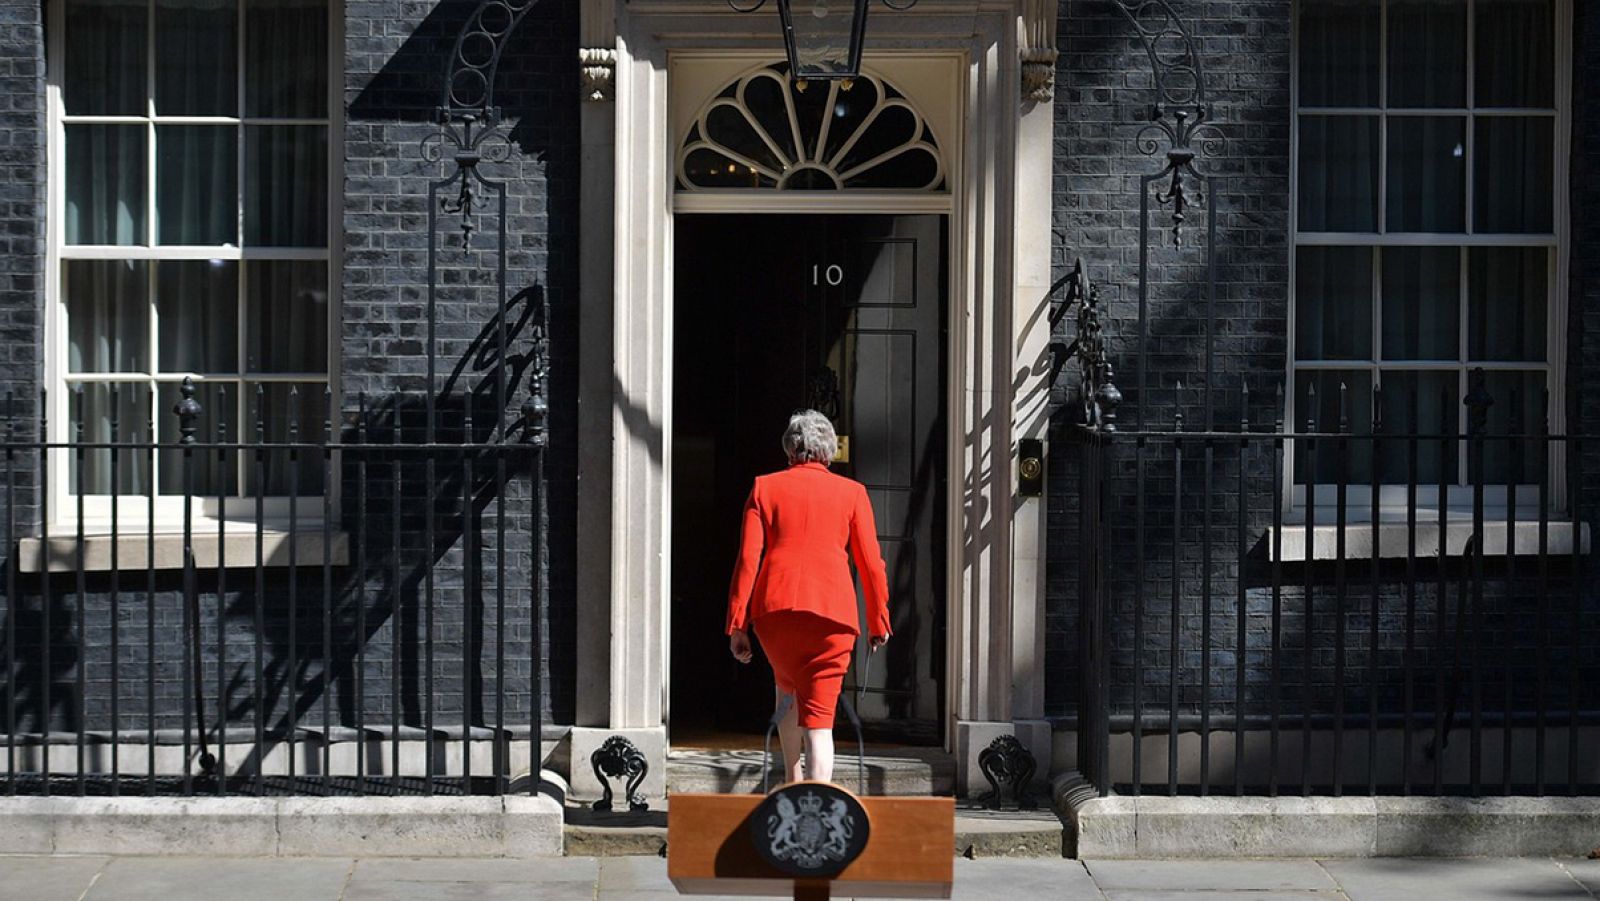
{"points": [[810, 438]]}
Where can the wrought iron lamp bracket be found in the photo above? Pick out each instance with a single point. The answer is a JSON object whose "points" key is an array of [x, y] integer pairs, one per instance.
{"points": [[470, 123], [470, 132], [1181, 122]]}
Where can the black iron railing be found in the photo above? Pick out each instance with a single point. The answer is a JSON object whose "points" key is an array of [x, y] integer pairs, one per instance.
{"points": [[310, 608], [1382, 606]]}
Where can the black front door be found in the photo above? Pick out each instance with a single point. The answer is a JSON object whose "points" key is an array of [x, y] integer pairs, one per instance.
{"points": [[843, 314]]}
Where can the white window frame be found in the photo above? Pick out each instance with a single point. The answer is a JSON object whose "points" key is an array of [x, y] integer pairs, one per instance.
{"points": [[1459, 501], [133, 511]]}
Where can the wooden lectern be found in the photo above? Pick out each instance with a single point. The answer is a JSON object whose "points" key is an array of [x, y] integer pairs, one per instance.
{"points": [[811, 839]]}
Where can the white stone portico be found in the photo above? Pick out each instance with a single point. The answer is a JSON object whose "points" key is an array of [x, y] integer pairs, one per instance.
{"points": [[963, 63]]}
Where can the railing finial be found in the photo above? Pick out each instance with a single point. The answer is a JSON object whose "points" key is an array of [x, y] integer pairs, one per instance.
{"points": [[188, 410]]}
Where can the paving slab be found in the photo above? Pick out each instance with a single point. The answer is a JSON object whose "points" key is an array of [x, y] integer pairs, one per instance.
{"points": [[1211, 875], [48, 878], [1011, 879], [381, 890], [1586, 872], [491, 869], [1222, 896], [634, 874], [210, 878], [673, 895], [1489, 879], [1007, 879], [640, 879]]}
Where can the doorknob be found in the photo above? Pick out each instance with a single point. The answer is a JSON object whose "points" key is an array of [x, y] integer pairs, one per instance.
{"points": [[1030, 467]]}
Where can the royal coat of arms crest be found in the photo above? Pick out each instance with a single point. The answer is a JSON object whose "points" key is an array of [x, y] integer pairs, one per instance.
{"points": [[810, 829]]}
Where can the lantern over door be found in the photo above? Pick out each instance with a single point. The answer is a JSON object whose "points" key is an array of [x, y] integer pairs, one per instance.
{"points": [[822, 37]]}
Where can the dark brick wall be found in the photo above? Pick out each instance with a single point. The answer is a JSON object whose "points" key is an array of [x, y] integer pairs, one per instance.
{"points": [[22, 220], [1102, 108], [1103, 99], [393, 72], [1583, 319]]}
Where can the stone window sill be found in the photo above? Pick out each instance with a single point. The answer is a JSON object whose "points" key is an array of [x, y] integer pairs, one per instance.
{"points": [[1393, 539], [236, 548]]}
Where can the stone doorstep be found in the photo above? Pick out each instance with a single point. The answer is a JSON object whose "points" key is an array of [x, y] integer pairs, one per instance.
{"points": [[1166, 827], [979, 833], [620, 833], [902, 771], [510, 826]]}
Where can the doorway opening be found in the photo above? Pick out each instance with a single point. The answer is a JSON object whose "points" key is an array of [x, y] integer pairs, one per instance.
{"points": [[845, 314]]}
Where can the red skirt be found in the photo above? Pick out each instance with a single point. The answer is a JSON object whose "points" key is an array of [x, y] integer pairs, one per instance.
{"points": [[809, 655]]}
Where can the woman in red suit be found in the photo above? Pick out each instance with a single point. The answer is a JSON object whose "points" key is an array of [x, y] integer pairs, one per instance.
{"points": [[802, 526]]}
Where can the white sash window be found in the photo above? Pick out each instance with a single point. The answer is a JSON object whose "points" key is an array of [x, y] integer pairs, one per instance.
{"points": [[1429, 177], [192, 165]]}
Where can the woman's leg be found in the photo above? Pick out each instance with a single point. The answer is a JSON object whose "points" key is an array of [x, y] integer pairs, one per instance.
{"points": [[819, 754], [789, 736]]}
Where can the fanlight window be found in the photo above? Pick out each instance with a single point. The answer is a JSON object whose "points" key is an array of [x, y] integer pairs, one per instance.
{"points": [[767, 131]]}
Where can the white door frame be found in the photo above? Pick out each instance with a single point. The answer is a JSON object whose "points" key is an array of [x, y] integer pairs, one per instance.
{"points": [[997, 342]]}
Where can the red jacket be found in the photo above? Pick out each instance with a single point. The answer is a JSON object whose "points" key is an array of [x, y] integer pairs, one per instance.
{"points": [[792, 550]]}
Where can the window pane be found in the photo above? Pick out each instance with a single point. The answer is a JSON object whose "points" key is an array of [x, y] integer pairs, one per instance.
{"points": [[107, 411], [707, 168], [197, 58], [105, 182], [197, 305], [1513, 174], [280, 406], [1339, 173], [1515, 54], [104, 70], [1427, 53], [218, 422], [1421, 303], [288, 313], [1507, 304], [1339, 52], [108, 314], [1427, 174], [286, 185], [1420, 403], [728, 127], [1342, 397], [197, 184], [286, 58], [1333, 303], [1518, 409], [915, 168]]}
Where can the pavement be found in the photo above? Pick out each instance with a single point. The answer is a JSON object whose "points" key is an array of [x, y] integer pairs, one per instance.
{"points": [[61, 878]]}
